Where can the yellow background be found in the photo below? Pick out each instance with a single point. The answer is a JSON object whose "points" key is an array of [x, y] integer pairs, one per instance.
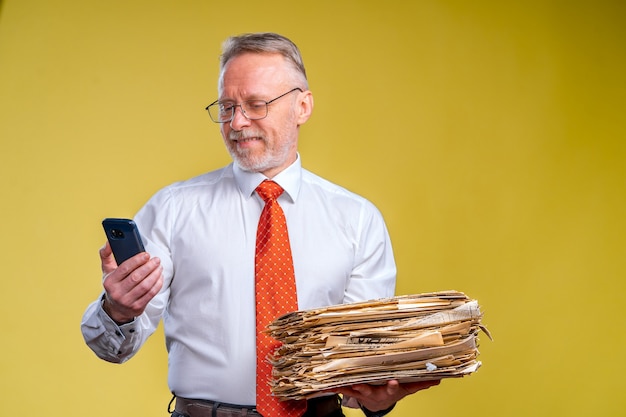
{"points": [[490, 134]]}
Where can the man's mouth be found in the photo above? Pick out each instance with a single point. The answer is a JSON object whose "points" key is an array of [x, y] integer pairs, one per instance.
{"points": [[247, 139]]}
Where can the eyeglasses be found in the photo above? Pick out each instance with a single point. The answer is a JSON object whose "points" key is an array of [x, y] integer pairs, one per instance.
{"points": [[251, 109]]}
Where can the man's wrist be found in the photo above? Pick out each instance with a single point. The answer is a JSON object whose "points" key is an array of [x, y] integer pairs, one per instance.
{"points": [[380, 413], [107, 311]]}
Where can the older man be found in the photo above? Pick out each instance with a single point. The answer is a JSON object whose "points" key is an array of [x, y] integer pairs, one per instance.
{"points": [[205, 272]]}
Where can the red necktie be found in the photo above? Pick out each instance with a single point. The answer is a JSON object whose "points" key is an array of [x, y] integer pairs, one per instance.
{"points": [[275, 295]]}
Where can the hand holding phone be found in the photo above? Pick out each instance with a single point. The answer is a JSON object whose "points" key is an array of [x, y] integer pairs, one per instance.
{"points": [[124, 238], [125, 298]]}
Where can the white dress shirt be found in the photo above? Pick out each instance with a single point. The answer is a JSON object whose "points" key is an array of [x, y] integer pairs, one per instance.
{"points": [[204, 232]]}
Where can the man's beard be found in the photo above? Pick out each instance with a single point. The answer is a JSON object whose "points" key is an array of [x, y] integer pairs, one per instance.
{"points": [[249, 159]]}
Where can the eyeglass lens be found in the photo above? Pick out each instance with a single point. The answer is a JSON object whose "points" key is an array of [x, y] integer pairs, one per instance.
{"points": [[253, 110]]}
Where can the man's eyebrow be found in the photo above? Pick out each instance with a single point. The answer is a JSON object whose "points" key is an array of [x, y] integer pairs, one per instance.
{"points": [[251, 97]]}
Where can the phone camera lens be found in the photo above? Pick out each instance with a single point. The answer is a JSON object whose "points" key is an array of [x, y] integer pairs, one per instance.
{"points": [[117, 233]]}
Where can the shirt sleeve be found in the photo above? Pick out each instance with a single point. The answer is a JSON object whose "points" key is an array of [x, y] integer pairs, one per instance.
{"points": [[118, 343], [109, 341], [374, 272]]}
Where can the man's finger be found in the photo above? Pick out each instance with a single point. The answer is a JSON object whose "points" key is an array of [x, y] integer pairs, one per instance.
{"points": [[392, 387]]}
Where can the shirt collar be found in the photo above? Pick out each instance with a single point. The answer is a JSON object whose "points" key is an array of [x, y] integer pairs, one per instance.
{"points": [[290, 179]]}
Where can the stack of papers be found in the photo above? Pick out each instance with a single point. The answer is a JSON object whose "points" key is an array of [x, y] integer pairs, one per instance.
{"points": [[408, 338]]}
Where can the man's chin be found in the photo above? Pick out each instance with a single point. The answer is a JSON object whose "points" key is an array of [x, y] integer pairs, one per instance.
{"points": [[249, 165]]}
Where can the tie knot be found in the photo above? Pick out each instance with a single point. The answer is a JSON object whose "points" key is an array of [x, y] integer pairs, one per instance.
{"points": [[269, 190]]}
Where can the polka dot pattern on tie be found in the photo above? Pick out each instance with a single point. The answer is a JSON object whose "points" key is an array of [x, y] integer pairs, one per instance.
{"points": [[275, 295]]}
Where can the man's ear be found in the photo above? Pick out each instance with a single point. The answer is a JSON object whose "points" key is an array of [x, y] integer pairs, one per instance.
{"points": [[305, 106]]}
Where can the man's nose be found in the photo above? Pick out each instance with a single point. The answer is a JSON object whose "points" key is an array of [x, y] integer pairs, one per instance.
{"points": [[239, 120]]}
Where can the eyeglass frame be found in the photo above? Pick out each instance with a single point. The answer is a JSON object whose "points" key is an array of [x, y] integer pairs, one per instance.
{"points": [[234, 107]]}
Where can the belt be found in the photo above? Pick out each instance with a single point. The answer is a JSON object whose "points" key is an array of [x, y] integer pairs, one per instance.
{"points": [[316, 407]]}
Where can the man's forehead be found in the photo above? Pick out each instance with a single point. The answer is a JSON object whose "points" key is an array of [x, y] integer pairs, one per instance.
{"points": [[253, 74]]}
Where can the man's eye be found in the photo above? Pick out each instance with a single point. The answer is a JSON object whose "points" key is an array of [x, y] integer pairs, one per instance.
{"points": [[256, 105], [226, 107]]}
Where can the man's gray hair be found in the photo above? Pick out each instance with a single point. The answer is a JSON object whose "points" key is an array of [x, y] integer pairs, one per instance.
{"points": [[264, 42]]}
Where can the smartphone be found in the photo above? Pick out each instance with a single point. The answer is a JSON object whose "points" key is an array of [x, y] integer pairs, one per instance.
{"points": [[124, 238]]}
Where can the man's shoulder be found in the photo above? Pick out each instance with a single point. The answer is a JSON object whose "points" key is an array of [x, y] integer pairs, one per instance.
{"points": [[198, 187], [207, 179], [325, 186]]}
